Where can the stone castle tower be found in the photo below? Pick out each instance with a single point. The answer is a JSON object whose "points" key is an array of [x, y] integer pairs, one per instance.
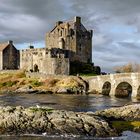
{"points": [[68, 46], [74, 37]]}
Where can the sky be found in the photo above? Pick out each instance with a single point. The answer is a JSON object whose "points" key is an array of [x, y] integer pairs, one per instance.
{"points": [[115, 25]]}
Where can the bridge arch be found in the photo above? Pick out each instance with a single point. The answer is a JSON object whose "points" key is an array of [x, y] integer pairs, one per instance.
{"points": [[106, 88], [133, 79], [123, 89]]}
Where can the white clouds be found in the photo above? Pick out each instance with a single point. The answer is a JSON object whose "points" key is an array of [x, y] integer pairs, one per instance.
{"points": [[20, 22], [101, 39]]}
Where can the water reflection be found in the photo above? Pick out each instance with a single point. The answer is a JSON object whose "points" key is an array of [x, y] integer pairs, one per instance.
{"points": [[65, 102]]}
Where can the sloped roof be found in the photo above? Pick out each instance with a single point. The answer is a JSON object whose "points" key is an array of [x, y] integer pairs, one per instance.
{"points": [[3, 46], [62, 25]]}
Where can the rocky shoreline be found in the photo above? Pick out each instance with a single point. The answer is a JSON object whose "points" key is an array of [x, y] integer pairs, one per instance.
{"points": [[123, 118], [38, 120], [18, 82], [42, 120], [125, 113]]}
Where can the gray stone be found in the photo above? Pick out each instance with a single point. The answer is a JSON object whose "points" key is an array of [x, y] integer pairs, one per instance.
{"points": [[112, 81], [39, 120], [129, 112], [62, 90], [26, 89]]}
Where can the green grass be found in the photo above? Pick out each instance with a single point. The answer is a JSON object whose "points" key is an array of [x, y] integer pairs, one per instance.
{"points": [[20, 74], [88, 74], [35, 109], [125, 125], [8, 83], [35, 83]]}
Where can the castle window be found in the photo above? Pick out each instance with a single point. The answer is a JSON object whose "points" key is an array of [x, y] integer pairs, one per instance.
{"points": [[40, 54], [71, 32], [58, 31], [61, 33], [80, 48]]}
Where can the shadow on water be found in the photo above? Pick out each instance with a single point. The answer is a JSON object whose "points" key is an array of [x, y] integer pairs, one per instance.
{"points": [[64, 102], [57, 138]]}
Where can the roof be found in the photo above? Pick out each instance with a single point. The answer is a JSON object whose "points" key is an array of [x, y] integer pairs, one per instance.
{"points": [[62, 25], [3, 46]]}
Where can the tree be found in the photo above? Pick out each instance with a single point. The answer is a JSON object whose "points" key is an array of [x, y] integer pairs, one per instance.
{"points": [[125, 68]]}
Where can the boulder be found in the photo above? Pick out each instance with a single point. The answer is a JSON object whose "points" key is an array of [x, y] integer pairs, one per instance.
{"points": [[25, 89], [128, 113], [123, 118], [38, 120], [62, 90]]}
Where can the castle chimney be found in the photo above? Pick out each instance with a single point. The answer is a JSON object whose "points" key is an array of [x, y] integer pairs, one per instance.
{"points": [[10, 42], [77, 19], [59, 22], [31, 47]]}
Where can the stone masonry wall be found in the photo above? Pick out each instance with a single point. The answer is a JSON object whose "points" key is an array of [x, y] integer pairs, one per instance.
{"points": [[72, 36], [31, 57], [1, 60], [56, 66], [45, 61]]}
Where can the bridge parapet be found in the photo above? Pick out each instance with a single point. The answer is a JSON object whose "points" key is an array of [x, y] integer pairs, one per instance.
{"points": [[97, 82]]}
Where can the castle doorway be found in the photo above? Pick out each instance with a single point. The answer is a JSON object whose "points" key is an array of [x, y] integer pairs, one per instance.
{"points": [[36, 69]]}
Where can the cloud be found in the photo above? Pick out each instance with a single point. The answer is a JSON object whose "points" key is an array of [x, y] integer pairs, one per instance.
{"points": [[116, 25], [29, 20]]}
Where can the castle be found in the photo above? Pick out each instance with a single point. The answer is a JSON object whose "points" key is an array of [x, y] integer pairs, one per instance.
{"points": [[66, 43]]}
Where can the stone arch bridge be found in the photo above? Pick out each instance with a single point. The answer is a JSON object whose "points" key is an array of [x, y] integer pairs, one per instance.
{"points": [[133, 79]]}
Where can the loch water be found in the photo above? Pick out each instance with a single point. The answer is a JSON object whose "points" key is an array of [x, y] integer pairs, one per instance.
{"points": [[79, 103]]}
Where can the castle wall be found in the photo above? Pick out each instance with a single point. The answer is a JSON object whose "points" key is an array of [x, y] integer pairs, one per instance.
{"points": [[58, 37], [72, 36], [31, 57], [56, 66], [44, 61], [1, 60]]}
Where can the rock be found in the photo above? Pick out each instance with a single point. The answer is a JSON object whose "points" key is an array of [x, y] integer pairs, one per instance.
{"points": [[20, 120], [26, 89], [93, 92], [44, 92], [62, 90], [128, 113], [72, 85]]}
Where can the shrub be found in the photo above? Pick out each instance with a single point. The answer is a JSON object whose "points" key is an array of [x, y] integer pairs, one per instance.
{"points": [[35, 83], [8, 83], [79, 67]]}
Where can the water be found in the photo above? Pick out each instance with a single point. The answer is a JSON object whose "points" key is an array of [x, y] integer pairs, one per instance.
{"points": [[65, 102]]}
